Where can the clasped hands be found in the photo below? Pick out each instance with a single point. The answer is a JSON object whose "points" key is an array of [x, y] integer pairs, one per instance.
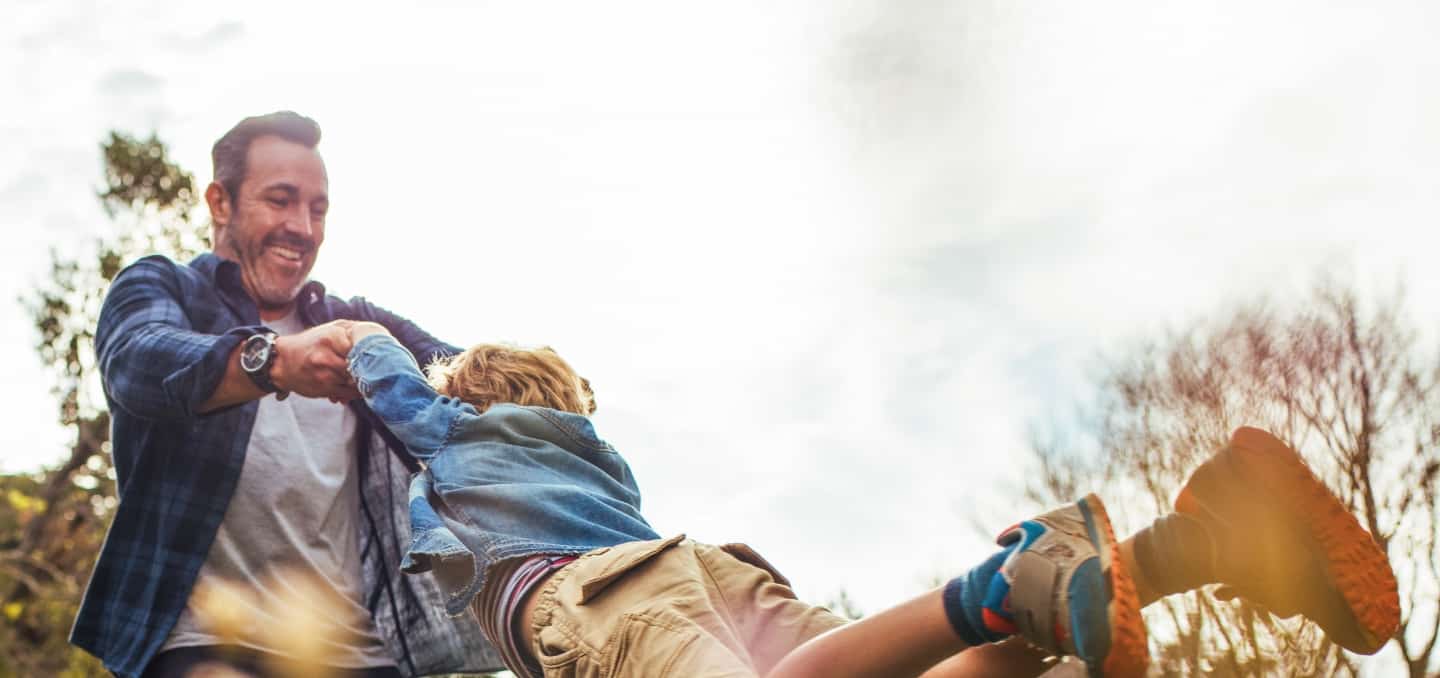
{"points": [[313, 363]]}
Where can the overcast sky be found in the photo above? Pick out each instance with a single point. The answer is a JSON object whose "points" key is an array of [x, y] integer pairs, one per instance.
{"points": [[824, 262]]}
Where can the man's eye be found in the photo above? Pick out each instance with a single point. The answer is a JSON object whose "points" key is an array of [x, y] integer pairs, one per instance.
{"points": [[278, 202]]}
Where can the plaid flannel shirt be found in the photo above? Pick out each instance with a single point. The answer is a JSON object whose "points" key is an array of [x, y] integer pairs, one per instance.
{"points": [[164, 338]]}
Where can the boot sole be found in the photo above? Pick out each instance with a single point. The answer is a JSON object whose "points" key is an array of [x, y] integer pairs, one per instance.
{"points": [[1128, 653], [1355, 566]]}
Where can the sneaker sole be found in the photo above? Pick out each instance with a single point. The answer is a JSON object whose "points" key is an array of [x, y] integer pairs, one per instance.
{"points": [[1128, 653], [1356, 568]]}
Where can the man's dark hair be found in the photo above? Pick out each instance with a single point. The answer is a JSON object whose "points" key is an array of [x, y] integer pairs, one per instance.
{"points": [[229, 153]]}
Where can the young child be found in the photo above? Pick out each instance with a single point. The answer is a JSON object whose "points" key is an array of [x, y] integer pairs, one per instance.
{"points": [[526, 516]]}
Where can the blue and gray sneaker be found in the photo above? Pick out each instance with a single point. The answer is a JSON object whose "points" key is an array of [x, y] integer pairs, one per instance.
{"points": [[1064, 589]]}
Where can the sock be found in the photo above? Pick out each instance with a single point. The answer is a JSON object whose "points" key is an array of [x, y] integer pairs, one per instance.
{"points": [[969, 596], [1175, 554]]}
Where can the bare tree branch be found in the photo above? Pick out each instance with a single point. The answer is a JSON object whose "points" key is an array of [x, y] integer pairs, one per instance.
{"points": [[1341, 382]]}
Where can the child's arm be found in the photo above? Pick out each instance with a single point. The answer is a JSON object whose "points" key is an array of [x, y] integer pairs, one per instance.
{"points": [[392, 385]]}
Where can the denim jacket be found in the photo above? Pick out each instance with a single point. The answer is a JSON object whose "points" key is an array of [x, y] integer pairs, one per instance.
{"points": [[511, 482]]}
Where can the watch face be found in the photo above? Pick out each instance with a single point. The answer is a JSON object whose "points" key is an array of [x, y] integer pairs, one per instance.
{"points": [[254, 353]]}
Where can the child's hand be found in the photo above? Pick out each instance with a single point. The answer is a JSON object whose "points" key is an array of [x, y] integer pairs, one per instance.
{"points": [[360, 330]]}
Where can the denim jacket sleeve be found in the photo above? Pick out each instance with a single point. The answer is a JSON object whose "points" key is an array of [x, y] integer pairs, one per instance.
{"points": [[152, 363], [397, 392]]}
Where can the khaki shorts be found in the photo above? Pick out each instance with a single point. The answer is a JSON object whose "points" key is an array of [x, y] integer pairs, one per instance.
{"points": [[670, 607]]}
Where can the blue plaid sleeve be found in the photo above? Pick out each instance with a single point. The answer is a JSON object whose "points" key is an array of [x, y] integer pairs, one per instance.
{"points": [[152, 364]]}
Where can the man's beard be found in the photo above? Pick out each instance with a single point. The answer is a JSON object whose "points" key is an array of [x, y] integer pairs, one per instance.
{"points": [[266, 295]]}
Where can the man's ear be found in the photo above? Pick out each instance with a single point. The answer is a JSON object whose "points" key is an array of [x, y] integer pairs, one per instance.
{"points": [[219, 201]]}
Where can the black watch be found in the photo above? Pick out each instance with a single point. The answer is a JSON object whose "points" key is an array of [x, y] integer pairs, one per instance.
{"points": [[257, 355]]}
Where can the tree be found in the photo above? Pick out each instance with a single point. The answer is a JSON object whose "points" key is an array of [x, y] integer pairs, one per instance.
{"points": [[52, 523], [1342, 381]]}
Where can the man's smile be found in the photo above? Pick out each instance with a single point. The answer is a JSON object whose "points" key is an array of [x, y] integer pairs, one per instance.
{"points": [[286, 253]]}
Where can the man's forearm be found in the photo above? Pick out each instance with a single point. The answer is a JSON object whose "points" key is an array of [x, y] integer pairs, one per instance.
{"points": [[161, 372], [234, 388], [310, 364]]}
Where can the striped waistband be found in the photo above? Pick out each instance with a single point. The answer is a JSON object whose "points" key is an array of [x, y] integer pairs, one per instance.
{"points": [[498, 607]]}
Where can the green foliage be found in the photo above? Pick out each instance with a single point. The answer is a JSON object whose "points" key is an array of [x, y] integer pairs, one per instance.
{"points": [[151, 202], [52, 523], [140, 177], [44, 580]]}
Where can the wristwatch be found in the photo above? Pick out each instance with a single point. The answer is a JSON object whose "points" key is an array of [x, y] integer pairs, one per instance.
{"points": [[257, 355]]}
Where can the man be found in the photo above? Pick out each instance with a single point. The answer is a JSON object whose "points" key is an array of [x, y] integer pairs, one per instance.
{"points": [[240, 465]]}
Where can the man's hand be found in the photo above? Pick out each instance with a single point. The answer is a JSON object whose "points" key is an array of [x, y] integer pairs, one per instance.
{"points": [[312, 363]]}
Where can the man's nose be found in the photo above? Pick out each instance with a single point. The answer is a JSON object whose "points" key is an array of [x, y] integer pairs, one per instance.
{"points": [[301, 223]]}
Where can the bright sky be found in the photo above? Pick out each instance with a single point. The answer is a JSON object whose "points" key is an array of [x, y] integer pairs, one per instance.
{"points": [[825, 263]]}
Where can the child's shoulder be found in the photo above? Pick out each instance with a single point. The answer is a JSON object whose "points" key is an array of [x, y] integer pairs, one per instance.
{"points": [[566, 429]]}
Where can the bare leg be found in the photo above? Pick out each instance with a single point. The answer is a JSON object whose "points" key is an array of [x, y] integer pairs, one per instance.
{"points": [[905, 640], [913, 639], [916, 638], [1010, 657]]}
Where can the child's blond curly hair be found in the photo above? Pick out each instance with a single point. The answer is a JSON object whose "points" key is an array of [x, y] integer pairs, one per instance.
{"points": [[499, 373]]}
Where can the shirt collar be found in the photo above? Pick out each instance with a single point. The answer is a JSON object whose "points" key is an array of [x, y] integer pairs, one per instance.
{"points": [[224, 274]]}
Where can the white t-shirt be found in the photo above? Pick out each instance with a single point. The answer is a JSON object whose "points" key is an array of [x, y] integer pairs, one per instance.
{"points": [[288, 545]]}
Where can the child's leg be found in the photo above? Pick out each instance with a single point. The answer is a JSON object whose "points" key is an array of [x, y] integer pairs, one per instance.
{"points": [[1013, 657], [912, 639], [901, 641], [904, 640], [1060, 582], [1254, 519]]}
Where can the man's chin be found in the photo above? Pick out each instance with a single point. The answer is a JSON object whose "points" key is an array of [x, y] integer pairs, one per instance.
{"points": [[277, 297]]}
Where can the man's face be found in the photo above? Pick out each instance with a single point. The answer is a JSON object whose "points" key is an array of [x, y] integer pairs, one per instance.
{"points": [[275, 224]]}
